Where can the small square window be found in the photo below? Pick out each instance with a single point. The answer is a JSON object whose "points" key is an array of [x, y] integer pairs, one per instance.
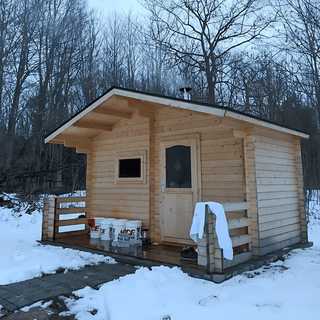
{"points": [[130, 167]]}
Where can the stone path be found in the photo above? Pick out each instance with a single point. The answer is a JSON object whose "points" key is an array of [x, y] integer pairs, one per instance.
{"points": [[20, 294]]}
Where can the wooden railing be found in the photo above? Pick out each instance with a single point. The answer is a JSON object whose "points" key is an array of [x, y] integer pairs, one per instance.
{"points": [[56, 224], [209, 252]]}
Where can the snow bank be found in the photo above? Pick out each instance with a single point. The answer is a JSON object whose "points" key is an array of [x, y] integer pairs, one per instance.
{"points": [[22, 258], [282, 290]]}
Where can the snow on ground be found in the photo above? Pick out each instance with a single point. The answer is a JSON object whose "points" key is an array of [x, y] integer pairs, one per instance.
{"points": [[282, 290], [22, 257]]}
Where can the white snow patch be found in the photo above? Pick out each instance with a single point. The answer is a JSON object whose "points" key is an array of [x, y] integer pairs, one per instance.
{"points": [[22, 257], [283, 290], [37, 304]]}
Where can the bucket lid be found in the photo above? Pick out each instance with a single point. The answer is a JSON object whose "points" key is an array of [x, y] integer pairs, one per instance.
{"points": [[119, 222], [134, 223], [98, 218], [107, 221]]}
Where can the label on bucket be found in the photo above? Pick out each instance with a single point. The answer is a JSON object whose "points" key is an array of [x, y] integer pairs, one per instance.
{"points": [[124, 235], [95, 228], [91, 223], [130, 233]]}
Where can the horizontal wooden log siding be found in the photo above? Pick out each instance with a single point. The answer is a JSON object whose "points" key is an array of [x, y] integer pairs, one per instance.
{"points": [[48, 220], [221, 153], [51, 215], [277, 190], [209, 252], [60, 211], [110, 198]]}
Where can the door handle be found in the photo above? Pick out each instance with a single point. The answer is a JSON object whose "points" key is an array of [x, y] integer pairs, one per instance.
{"points": [[162, 184]]}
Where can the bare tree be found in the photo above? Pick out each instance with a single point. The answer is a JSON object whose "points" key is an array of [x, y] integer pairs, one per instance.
{"points": [[302, 44], [204, 32]]}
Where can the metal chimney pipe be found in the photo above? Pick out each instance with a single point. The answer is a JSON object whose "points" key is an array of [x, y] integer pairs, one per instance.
{"points": [[186, 94]]}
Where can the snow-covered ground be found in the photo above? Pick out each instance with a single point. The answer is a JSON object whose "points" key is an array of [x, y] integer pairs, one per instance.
{"points": [[22, 257], [283, 290]]}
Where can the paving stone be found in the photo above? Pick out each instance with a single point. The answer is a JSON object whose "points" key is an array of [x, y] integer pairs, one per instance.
{"points": [[23, 302], [51, 277], [43, 283], [59, 292], [59, 286], [15, 298], [3, 291], [246, 268], [228, 276], [15, 290], [3, 302], [11, 307], [218, 278], [39, 295], [8, 294], [26, 291], [259, 264]]}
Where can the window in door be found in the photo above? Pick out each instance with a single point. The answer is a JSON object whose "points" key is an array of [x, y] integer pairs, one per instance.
{"points": [[178, 167]]}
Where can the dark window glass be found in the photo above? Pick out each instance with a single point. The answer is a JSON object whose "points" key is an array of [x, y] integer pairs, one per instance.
{"points": [[130, 168], [178, 167]]}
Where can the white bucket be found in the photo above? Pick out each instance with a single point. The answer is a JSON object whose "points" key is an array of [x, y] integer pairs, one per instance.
{"points": [[106, 229], [118, 227], [133, 231], [95, 229]]}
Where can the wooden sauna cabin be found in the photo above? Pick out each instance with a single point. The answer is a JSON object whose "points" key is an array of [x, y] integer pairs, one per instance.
{"points": [[151, 158]]}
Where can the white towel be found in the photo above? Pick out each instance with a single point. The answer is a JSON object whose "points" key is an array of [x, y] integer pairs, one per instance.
{"points": [[197, 227]]}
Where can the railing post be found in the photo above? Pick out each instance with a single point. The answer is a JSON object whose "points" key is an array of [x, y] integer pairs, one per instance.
{"points": [[218, 252], [209, 240], [205, 245], [49, 208]]}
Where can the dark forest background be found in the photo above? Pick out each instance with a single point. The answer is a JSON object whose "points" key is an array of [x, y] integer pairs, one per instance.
{"points": [[56, 56]]}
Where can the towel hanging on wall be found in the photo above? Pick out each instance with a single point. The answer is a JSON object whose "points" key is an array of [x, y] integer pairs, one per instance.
{"points": [[197, 227]]}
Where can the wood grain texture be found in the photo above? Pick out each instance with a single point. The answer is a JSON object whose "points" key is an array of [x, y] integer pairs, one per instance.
{"points": [[277, 189]]}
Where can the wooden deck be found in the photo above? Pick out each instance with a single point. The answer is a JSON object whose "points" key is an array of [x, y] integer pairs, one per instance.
{"points": [[159, 253]]}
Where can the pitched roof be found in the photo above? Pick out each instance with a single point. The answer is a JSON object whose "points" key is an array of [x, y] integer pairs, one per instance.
{"points": [[172, 102]]}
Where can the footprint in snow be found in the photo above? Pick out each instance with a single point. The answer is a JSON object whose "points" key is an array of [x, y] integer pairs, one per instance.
{"points": [[208, 301]]}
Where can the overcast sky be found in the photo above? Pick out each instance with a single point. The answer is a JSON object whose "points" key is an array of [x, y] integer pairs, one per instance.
{"points": [[119, 5]]}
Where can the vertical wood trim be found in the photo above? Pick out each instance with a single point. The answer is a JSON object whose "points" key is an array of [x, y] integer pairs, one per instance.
{"points": [[218, 254], [88, 185], [45, 216], [48, 222], [208, 225], [151, 178], [251, 188], [161, 194], [300, 187], [247, 186], [199, 173]]}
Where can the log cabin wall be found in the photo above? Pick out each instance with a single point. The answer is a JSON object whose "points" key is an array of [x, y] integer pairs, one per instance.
{"points": [[251, 190], [111, 198], [277, 190], [221, 157]]}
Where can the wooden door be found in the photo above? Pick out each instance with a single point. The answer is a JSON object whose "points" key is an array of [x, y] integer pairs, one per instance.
{"points": [[179, 189]]}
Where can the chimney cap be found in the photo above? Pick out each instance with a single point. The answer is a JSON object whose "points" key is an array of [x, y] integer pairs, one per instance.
{"points": [[185, 89]]}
